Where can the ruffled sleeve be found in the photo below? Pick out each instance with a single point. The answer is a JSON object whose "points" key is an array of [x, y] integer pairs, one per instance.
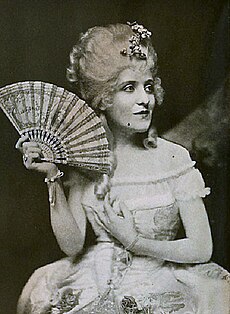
{"points": [[187, 183]]}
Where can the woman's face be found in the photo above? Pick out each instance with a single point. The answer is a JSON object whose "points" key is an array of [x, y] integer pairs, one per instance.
{"points": [[133, 101]]}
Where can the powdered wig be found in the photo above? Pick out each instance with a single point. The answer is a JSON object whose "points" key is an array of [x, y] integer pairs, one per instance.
{"points": [[96, 61], [95, 64]]}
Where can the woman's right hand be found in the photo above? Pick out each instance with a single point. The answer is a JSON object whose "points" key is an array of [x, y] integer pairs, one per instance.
{"points": [[32, 155]]}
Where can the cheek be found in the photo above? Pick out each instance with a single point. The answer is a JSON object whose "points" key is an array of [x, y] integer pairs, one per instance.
{"points": [[152, 102], [116, 111], [117, 114], [121, 105]]}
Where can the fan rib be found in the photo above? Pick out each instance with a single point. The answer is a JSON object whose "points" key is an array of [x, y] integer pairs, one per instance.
{"points": [[64, 126]]}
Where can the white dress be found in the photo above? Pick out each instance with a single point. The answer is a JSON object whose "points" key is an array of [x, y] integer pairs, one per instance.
{"points": [[109, 279]]}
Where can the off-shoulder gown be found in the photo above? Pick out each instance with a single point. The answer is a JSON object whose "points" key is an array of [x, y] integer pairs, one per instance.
{"points": [[109, 279]]}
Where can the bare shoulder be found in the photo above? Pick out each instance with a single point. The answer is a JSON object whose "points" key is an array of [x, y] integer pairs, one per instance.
{"points": [[169, 147], [172, 155]]}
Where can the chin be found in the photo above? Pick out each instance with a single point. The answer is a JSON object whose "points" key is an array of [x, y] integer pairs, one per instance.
{"points": [[140, 127]]}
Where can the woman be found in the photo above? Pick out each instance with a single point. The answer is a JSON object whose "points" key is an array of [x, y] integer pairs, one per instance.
{"points": [[137, 265]]}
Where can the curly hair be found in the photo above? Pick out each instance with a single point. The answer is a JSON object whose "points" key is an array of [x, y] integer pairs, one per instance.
{"points": [[95, 64]]}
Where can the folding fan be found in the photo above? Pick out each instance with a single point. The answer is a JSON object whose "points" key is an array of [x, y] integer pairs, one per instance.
{"points": [[65, 127]]}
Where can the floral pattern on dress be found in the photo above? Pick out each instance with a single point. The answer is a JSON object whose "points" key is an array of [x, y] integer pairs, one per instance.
{"points": [[167, 302], [63, 302]]}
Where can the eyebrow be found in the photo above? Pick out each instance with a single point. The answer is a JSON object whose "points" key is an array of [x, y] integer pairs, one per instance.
{"points": [[134, 82], [126, 83], [149, 81]]}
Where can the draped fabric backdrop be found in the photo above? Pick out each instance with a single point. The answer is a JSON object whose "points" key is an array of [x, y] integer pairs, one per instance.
{"points": [[191, 38]]}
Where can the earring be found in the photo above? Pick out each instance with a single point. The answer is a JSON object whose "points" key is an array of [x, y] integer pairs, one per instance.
{"points": [[151, 140]]}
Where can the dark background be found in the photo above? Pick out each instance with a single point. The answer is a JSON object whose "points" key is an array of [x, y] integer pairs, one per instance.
{"points": [[191, 38]]}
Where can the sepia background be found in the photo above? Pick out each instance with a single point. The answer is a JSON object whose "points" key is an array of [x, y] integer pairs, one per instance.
{"points": [[191, 39]]}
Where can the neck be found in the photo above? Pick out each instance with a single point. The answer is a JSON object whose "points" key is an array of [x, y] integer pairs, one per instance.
{"points": [[125, 138]]}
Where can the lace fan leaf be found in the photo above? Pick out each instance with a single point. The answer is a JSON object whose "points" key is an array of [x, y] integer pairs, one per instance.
{"points": [[65, 127]]}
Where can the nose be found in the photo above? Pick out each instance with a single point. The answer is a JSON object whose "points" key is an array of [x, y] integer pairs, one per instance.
{"points": [[142, 97]]}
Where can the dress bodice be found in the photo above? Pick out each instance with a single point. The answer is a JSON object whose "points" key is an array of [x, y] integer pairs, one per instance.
{"points": [[153, 200]]}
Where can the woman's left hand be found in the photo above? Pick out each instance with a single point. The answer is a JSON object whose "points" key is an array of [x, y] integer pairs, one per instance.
{"points": [[120, 226]]}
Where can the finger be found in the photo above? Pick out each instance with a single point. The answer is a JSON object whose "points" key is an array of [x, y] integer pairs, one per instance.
{"points": [[34, 149], [30, 144], [112, 199], [103, 224], [106, 189], [32, 160], [102, 217], [108, 209], [116, 208], [20, 141], [107, 205], [27, 147], [125, 211], [28, 162], [34, 155]]}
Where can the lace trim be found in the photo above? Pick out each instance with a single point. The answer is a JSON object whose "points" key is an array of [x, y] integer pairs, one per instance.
{"points": [[153, 179], [211, 270], [185, 196], [190, 186]]}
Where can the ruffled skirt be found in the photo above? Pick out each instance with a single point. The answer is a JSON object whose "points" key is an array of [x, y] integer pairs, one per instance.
{"points": [[108, 279]]}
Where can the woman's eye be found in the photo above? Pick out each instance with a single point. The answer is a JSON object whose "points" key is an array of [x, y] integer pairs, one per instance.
{"points": [[149, 88], [128, 88]]}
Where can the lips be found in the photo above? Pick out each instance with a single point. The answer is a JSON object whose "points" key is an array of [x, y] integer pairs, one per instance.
{"points": [[141, 112]]}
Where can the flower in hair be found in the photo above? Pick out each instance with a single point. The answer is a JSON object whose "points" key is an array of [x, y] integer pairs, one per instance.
{"points": [[140, 34]]}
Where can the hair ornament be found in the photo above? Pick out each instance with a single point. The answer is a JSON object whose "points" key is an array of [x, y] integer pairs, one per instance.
{"points": [[140, 34]]}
